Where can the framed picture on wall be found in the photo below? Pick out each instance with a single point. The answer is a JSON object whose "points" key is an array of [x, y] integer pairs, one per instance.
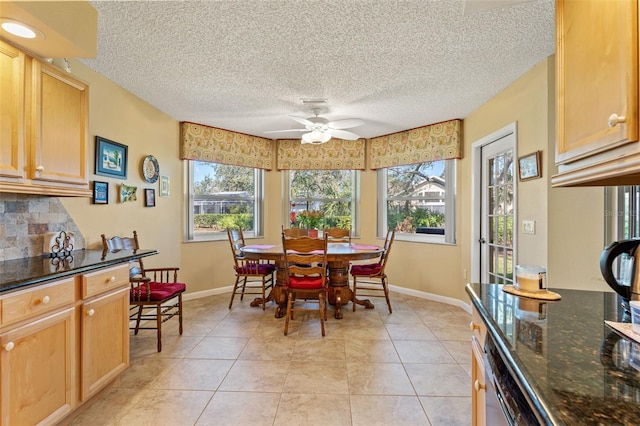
{"points": [[164, 186], [149, 197], [111, 158], [529, 166], [100, 192]]}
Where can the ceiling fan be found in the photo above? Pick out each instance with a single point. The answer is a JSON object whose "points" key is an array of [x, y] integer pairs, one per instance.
{"points": [[320, 130]]}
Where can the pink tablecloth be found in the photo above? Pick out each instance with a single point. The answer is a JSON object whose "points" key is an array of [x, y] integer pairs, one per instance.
{"points": [[260, 246], [363, 247]]}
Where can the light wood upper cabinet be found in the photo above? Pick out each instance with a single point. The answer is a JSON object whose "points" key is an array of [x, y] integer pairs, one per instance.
{"points": [[12, 155], [597, 92], [43, 127], [58, 128]]}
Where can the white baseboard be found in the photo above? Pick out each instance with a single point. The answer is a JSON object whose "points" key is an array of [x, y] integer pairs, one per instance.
{"points": [[430, 296], [421, 294], [205, 293]]}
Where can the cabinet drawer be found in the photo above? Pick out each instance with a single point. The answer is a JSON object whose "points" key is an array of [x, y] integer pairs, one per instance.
{"points": [[104, 280], [478, 329], [24, 304]]}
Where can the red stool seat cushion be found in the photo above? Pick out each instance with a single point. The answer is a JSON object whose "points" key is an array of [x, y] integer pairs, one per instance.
{"points": [[368, 269], [306, 283], [262, 269], [159, 291]]}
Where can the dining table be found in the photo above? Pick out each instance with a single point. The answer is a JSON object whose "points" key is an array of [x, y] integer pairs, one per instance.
{"points": [[339, 258]]}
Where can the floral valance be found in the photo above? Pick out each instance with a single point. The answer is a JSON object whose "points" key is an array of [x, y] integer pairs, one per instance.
{"points": [[441, 141], [206, 143], [337, 154]]}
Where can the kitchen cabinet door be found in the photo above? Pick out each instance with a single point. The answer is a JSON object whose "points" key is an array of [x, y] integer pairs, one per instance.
{"points": [[105, 340], [59, 127], [478, 385], [37, 370], [12, 129], [597, 77]]}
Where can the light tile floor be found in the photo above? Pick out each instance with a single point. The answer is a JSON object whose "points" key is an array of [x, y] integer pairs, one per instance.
{"points": [[235, 367]]}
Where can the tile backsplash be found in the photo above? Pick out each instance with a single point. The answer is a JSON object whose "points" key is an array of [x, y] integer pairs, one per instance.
{"points": [[24, 221]]}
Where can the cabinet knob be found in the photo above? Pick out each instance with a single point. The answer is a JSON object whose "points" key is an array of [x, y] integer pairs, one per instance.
{"points": [[91, 312], [473, 326], [112, 279], [615, 119], [8, 347], [40, 168], [46, 300], [477, 386]]}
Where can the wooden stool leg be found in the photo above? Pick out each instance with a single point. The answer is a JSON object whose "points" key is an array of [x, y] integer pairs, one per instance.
{"points": [[321, 303], [353, 295], [180, 312], [233, 293], [159, 325]]}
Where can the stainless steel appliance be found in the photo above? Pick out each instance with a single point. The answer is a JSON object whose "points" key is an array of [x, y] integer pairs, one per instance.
{"points": [[627, 281], [506, 403]]}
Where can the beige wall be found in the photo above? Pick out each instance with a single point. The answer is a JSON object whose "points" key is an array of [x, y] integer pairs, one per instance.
{"points": [[437, 269], [569, 221], [117, 115]]}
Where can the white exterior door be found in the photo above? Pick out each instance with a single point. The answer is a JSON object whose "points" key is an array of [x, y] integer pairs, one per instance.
{"points": [[493, 254]]}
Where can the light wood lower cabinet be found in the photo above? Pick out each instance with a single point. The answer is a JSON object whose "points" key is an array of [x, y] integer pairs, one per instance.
{"points": [[38, 368], [105, 340], [60, 345], [478, 385]]}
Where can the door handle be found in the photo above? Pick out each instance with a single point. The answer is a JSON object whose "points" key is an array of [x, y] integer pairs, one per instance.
{"points": [[482, 240]]}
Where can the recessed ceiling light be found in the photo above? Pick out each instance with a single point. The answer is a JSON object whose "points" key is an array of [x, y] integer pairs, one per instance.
{"points": [[19, 29]]}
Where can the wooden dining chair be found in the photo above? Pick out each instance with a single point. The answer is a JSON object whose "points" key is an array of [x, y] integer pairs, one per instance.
{"points": [[156, 294], [295, 232], [252, 276], [371, 278], [305, 275], [338, 235]]}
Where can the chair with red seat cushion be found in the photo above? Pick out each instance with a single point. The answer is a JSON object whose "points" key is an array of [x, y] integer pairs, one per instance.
{"points": [[371, 278], [155, 293], [252, 276], [305, 274]]}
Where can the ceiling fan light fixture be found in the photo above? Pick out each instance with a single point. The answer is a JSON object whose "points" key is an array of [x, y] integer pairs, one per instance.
{"points": [[316, 137]]}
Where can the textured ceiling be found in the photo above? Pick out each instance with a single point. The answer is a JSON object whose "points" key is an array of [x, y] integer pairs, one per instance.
{"points": [[245, 65]]}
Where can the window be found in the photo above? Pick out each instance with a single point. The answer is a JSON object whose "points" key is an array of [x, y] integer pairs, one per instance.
{"points": [[333, 192], [221, 197], [622, 211], [418, 201]]}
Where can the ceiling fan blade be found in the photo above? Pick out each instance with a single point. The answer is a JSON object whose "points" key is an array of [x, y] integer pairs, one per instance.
{"points": [[343, 134], [288, 130], [346, 123], [302, 120]]}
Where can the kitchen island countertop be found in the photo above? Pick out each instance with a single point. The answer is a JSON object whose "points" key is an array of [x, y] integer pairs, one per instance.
{"points": [[573, 367], [19, 273]]}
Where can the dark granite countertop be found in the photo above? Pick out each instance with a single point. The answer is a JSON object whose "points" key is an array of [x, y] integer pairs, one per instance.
{"points": [[573, 367], [18, 273]]}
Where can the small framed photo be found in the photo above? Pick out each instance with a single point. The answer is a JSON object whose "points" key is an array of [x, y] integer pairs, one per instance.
{"points": [[165, 185], [100, 192], [111, 158], [149, 197], [529, 166]]}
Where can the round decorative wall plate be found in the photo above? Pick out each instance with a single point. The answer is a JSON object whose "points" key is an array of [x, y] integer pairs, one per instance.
{"points": [[150, 169]]}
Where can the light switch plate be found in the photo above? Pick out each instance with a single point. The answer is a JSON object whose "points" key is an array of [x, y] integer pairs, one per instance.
{"points": [[529, 227]]}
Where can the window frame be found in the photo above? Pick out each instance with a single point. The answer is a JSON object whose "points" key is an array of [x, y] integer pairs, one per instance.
{"points": [[258, 200], [355, 200], [449, 236]]}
